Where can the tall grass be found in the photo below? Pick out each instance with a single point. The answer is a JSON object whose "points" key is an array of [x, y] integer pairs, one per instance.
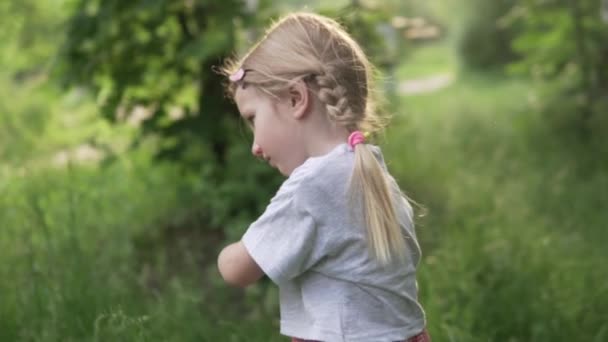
{"points": [[86, 254], [515, 228]]}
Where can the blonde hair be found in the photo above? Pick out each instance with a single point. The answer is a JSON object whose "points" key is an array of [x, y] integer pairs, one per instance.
{"points": [[318, 50]]}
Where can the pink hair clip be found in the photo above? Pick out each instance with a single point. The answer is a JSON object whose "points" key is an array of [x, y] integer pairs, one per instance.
{"points": [[237, 76], [355, 138]]}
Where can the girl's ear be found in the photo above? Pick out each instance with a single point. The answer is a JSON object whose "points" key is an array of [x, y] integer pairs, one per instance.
{"points": [[299, 99]]}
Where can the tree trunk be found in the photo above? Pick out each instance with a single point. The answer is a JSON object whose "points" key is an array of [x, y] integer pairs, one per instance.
{"points": [[583, 59]]}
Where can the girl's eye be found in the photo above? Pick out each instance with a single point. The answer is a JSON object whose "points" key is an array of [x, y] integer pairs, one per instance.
{"points": [[251, 120]]}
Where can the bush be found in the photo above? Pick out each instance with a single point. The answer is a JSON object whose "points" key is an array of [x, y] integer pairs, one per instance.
{"points": [[565, 51], [484, 40]]}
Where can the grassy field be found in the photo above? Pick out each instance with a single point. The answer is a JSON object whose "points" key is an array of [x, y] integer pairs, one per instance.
{"points": [[514, 223], [513, 236], [114, 254]]}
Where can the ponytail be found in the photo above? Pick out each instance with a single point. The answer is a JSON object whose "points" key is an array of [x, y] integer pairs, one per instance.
{"points": [[371, 191]]}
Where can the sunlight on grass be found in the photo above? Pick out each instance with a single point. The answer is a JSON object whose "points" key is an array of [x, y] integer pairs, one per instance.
{"points": [[430, 59]]}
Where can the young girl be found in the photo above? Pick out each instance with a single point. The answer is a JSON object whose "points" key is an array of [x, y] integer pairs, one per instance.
{"points": [[338, 237]]}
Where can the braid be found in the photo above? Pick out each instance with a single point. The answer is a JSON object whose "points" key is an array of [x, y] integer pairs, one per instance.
{"points": [[335, 98]]}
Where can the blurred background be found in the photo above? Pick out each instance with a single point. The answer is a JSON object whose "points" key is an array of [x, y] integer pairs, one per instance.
{"points": [[124, 169]]}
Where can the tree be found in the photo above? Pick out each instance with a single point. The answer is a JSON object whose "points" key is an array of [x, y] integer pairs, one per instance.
{"points": [[27, 52], [160, 55], [483, 40], [564, 42]]}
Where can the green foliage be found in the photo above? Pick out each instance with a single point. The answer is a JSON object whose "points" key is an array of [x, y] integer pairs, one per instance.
{"points": [[21, 121], [77, 260], [483, 39], [513, 237], [27, 33], [437, 58], [157, 54], [565, 49], [27, 52], [160, 56]]}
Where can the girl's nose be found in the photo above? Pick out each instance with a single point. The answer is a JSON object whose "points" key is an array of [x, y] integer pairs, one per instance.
{"points": [[257, 150]]}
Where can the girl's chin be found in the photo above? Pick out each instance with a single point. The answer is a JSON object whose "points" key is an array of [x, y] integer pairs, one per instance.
{"points": [[281, 170]]}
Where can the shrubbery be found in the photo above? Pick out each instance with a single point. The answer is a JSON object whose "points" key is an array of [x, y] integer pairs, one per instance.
{"points": [[483, 37]]}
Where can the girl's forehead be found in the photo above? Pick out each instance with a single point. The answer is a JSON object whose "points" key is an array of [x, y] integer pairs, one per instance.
{"points": [[243, 97], [243, 94], [247, 99]]}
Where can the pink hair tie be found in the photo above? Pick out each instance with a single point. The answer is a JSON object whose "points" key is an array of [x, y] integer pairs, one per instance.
{"points": [[237, 76], [356, 138]]}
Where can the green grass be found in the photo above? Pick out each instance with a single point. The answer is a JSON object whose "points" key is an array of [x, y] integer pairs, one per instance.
{"points": [[514, 233], [428, 60], [114, 254]]}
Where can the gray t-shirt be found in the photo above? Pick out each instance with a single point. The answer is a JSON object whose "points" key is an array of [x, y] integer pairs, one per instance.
{"points": [[313, 246]]}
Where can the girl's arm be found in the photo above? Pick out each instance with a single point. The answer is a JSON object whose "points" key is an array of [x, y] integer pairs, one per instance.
{"points": [[237, 267]]}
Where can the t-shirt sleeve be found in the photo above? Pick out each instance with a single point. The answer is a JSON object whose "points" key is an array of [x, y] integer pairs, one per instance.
{"points": [[285, 240]]}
